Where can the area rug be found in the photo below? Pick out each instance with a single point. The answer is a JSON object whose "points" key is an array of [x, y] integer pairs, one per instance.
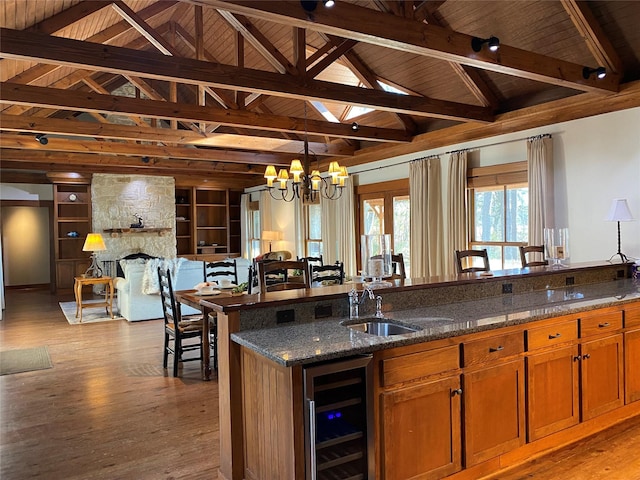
{"points": [[24, 360], [89, 314]]}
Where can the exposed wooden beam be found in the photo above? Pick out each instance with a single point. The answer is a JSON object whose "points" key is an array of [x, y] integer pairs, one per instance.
{"points": [[88, 102], [592, 33], [390, 31], [68, 17], [28, 46], [550, 113], [213, 178], [77, 128], [261, 43], [143, 28], [122, 162], [8, 140]]}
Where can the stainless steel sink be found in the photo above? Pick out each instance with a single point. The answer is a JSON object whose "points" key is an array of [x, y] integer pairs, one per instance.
{"points": [[380, 327]]}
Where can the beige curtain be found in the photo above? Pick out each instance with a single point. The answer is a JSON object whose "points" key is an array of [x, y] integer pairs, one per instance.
{"points": [[265, 218], [541, 195], [338, 230], [457, 234], [425, 200]]}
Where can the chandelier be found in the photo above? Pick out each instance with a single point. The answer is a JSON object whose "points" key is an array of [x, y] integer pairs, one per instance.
{"points": [[308, 187]]}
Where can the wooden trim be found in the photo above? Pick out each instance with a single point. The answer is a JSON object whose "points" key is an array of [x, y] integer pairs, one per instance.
{"points": [[382, 187]]}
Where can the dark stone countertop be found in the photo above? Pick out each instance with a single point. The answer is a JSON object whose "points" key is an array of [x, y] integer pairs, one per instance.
{"points": [[328, 339]]}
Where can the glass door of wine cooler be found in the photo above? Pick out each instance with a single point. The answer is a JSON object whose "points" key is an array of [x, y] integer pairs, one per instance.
{"points": [[338, 415]]}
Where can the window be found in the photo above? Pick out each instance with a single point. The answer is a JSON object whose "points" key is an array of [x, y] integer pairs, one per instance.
{"points": [[254, 225], [313, 230], [384, 208], [499, 208]]}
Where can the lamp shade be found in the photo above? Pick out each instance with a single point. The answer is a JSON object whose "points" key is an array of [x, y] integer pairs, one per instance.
{"points": [[94, 243], [619, 211], [270, 235]]}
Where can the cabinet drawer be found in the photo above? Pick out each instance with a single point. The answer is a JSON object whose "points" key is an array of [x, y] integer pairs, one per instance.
{"points": [[632, 317], [600, 323], [493, 348], [419, 365], [552, 334]]}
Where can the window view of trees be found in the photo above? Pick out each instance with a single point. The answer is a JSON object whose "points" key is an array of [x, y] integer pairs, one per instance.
{"points": [[314, 231], [500, 223]]}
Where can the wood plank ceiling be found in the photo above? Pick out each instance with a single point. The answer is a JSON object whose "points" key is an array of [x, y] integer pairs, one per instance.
{"points": [[218, 89]]}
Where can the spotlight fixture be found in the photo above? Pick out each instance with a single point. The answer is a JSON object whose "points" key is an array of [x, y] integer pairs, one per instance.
{"points": [[600, 72], [492, 42], [42, 139], [311, 5], [355, 127], [145, 159]]}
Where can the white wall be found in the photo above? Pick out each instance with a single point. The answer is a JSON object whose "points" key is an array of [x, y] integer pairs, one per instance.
{"points": [[596, 159]]}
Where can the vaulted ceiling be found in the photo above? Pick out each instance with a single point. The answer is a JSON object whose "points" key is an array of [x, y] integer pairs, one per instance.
{"points": [[219, 89]]}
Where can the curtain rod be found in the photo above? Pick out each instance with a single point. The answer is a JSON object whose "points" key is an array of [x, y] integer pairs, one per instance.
{"points": [[458, 150]]}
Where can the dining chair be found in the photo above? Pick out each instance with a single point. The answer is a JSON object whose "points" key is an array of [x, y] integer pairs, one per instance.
{"points": [[532, 251], [467, 257], [283, 275], [317, 261], [327, 274], [397, 262], [181, 334], [222, 269]]}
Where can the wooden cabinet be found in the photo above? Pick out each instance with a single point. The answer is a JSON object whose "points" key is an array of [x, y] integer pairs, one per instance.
{"points": [[207, 222], [553, 368], [420, 414], [552, 391], [422, 430], [494, 415], [602, 363], [72, 223], [632, 354], [493, 386]]}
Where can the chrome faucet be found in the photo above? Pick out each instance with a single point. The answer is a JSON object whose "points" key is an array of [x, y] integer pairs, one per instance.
{"points": [[355, 302]]}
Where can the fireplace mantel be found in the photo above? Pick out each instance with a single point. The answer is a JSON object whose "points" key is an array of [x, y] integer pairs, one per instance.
{"points": [[116, 232]]}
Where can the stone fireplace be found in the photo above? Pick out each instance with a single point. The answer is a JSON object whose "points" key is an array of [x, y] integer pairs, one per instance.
{"points": [[116, 200]]}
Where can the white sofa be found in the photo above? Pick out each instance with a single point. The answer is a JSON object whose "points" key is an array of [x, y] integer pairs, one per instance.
{"points": [[134, 305]]}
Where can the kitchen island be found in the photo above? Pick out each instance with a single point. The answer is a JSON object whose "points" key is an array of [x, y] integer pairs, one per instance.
{"points": [[443, 365]]}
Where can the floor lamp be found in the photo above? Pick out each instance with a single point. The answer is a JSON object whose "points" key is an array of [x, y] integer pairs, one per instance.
{"points": [[619, 212], [270, 236], [93, 243]]}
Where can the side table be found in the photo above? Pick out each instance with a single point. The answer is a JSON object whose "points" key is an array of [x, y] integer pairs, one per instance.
{"points": [[108, 298]]}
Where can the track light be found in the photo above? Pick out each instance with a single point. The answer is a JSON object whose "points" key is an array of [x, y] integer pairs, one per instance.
{"points": [[600, 72], [355, 127], [492, 42], [42, 139], [145, 159], [311, 5]]}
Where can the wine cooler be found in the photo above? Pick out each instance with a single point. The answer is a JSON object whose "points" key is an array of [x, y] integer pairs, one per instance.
{"points": [[338, 415]]}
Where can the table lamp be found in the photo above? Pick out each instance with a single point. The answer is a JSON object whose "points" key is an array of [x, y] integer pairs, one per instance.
{"points": [[93, 243], [270, 236], [619, 212]]}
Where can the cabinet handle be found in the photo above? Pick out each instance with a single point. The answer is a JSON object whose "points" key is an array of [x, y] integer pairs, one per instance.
{"points": [[457, 391], [312, 438], [557, 335], [496, 349], [586, 355], [577, 359], [604, 325]]}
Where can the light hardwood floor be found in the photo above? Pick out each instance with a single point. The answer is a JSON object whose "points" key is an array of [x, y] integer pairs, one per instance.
{"points": [[107, 410]]}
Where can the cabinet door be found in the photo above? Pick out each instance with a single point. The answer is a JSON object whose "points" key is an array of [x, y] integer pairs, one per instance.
{"points": [[632, 365], [494, 415], [602, 376], [553, 398], [421, 431]]}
